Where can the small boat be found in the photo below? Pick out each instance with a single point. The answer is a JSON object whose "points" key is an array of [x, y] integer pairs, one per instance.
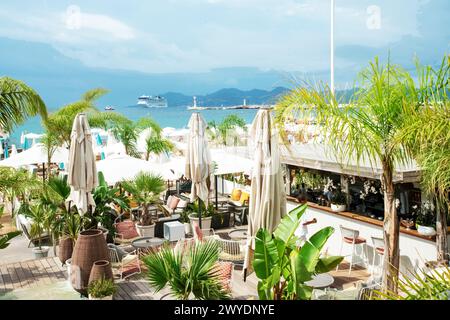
{"points": [[109, 108]]}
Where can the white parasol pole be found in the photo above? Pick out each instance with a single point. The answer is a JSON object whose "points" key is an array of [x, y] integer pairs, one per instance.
{"points": [[332, 48]]}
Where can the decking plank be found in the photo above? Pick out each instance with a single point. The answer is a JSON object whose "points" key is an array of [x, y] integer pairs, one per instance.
{"points": [[7, 281], [29, 278], [57, 273], [14, 277]]}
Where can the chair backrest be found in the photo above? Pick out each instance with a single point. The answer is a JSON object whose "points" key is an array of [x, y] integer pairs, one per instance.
{"points": [[231, 250], [127, 229], [113, 255], [169, 199], [182, 204], [378, 242], [349, 233], [367, 291], [224, 271]]}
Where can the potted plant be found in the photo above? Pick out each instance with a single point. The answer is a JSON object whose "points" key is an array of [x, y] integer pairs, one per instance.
{"points": [[145, 189], [425, 219], [102, 289], [37, 212], [105, 199], [207, 213], [190, 274], [184, 219], [338, 200]]}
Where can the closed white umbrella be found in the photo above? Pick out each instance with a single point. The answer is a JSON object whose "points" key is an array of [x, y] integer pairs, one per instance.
{"points": [[267, 203], [82, 171], [198, 160], [13, 150]]}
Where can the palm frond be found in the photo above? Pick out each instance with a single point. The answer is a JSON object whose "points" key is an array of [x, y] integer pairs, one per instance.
{"points": [[18, 102]]}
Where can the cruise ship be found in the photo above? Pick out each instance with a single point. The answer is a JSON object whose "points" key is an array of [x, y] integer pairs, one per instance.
{"points": [[152, 101]]}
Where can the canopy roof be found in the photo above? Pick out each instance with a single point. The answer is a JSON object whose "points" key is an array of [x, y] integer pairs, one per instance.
{"points": [[321, 157]]}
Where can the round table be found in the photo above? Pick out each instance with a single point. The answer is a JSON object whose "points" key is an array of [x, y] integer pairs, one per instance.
{"points": [[238, 234], [144, 244], [322, 280]]}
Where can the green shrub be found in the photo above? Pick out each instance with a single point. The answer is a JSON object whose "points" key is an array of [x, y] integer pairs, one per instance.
{"points": [[102, 288]]}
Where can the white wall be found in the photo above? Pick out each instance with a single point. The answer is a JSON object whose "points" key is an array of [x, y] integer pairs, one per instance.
{"points": [[413, 250]]}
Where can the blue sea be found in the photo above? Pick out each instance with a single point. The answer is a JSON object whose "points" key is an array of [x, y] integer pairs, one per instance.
{"points": [[176, 117]]}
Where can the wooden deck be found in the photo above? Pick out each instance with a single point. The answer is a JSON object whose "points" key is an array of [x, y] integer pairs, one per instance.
{"points": [[34, 273]]}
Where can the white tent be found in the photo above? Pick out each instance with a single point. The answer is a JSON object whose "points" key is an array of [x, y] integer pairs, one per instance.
{"points": [[33, 137], [120, 167], [35, 155], [229, 163]]}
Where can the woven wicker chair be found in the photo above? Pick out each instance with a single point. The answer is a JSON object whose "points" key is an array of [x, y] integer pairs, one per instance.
{"points": [[232, 250], [127, 265]]}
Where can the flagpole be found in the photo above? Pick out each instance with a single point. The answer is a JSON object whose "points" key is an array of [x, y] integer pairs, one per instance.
{"points": [[332, 48]]}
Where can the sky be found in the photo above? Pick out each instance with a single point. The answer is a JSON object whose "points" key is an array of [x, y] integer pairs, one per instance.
{"points": [[172, 36]]}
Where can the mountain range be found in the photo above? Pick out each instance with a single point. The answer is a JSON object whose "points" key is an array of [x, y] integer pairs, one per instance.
{"points": [[226, 97]]}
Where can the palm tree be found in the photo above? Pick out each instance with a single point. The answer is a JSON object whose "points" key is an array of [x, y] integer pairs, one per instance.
{"points": [[59, 124], [223, 131], [192, 272], [157, 145], [17, 103], [51, 143], [421, 285], [427, 135], [145, 189], [127, 132], [17, 183], [366, 129]]}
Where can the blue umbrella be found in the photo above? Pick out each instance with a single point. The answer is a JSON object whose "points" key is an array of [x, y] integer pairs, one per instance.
{"points": [[6, 152], [25, 144], [99, 140], [102, 155]]}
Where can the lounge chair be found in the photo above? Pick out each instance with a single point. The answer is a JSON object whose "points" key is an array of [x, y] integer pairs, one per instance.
{"points": [[124, 263], [25, 224], [126, 232], [232, 250]]}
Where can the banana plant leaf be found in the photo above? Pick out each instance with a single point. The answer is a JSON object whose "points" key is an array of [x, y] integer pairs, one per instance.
{"points": [[266, 254], [310, 251], [328, 263], [286, 229]]}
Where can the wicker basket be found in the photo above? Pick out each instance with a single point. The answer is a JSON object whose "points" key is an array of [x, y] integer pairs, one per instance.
{"points": [[65, 249], [90, 247], [101, 270]]}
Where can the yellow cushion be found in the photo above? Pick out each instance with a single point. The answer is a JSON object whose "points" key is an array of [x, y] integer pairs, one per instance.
{"points": [[244, 197], [236, 194]]}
